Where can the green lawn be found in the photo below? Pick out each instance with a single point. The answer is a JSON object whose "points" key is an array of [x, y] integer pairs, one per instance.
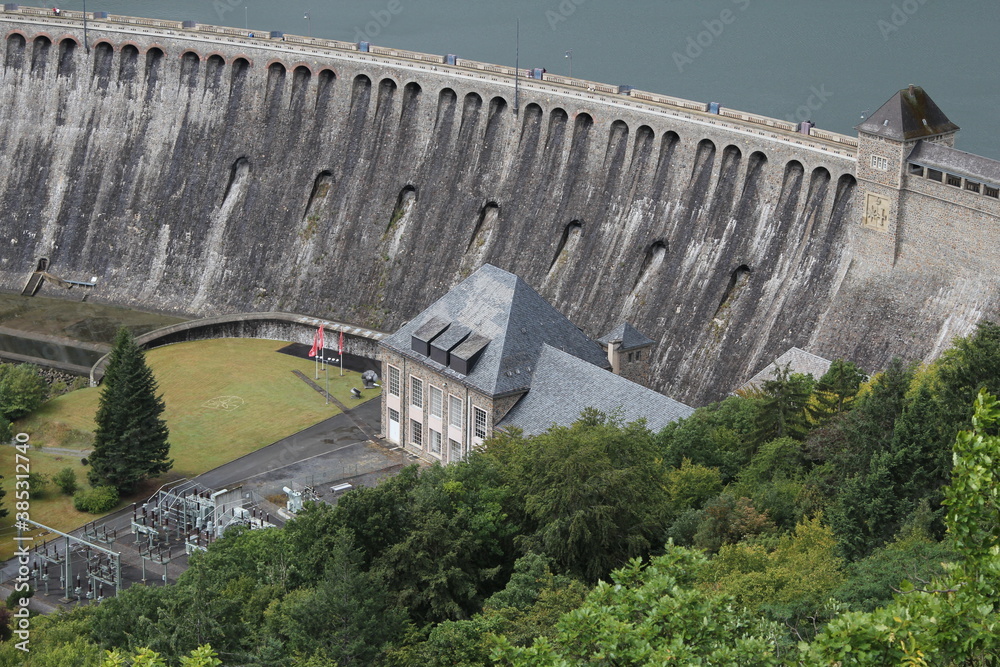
{"points": [[225, 398]]}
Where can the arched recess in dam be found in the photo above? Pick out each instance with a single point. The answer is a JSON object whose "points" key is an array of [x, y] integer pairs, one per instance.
{"points": [[218, 178]]}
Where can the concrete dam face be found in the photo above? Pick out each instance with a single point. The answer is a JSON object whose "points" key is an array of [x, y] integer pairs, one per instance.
{"points": [[203, 174]]}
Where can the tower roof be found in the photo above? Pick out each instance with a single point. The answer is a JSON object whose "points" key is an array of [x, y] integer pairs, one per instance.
{"points": [[910, 114], [627, 335], [505, 320]]}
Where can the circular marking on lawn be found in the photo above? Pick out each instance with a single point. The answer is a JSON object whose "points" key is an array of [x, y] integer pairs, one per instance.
{"points": [[226, 403]]}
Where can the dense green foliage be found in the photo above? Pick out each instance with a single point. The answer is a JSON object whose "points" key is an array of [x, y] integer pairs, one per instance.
{"points": [[130, 442], [97, 500], [22, 390], [838, 521], [65, 479]]}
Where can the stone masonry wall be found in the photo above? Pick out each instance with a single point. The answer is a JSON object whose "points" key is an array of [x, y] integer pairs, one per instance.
{"points": [[202, 175]]}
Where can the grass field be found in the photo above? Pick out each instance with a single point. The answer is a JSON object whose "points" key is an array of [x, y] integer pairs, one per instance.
{"points": [[224, 398]]}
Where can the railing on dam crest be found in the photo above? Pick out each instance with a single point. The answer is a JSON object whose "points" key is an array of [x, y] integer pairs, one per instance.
{"points": [[840, 144]]}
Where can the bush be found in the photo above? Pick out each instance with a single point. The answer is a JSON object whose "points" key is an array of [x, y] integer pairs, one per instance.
{"points": [[22, 390], [96, 500], [37, 483], [65, 479]]}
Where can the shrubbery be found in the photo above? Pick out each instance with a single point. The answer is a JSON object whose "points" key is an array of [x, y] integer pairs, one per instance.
{"points": [[96, 500], [65, 479]]}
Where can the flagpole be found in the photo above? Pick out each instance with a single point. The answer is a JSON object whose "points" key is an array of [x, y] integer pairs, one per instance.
{"points": [[340, 348]]}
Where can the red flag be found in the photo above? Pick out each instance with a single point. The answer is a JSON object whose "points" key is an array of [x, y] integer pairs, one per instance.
{"points": [[340, 348], [317, 342]]}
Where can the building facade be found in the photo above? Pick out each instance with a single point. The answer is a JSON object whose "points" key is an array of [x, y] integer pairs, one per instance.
{"points": [[490, 354]]}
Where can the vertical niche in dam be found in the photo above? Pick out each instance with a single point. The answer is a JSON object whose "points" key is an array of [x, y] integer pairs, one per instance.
{"points": [[442, 158], [399, 221], [748, 206], [317, 196], [237, 80], [819, 185], [66, 66], [14, 54], [642, 152], [325, 81], [104, 55], [576, 163], [153, 71], [40, 48], [301, 77], [788, 202], [483, 233], [656, 254], [701, 177], [525, 174], [614, 161], [215, 67], [661, 177], [190, 69], [491, 151], [738, 280], [128, 65], [274, 91], [565, 250], [721, 206]]}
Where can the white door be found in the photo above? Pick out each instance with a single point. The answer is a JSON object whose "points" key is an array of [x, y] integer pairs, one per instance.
{"points": [[393, 426]]}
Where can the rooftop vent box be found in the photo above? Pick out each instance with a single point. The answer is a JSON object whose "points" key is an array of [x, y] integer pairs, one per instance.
{"points": [[463, 358], [420, 340], [443, 344]]}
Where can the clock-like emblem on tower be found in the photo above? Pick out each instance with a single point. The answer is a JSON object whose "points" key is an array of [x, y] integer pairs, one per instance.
{"points": [[876, 214]]}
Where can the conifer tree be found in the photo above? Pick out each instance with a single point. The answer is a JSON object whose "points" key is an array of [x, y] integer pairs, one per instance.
{"points": [[130, 443]]}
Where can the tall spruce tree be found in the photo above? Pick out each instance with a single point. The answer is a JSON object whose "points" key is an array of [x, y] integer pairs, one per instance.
{"points": [[130, 443]]}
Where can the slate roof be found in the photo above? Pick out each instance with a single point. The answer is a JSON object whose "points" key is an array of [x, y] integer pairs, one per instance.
{"points": [[798, 360], [563, 385], [909, 114], [954, 161], [501, 307], [627, 335]]}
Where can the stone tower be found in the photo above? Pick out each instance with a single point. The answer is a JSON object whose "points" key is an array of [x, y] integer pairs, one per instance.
{"points": [[885, 140], [628, 352]]}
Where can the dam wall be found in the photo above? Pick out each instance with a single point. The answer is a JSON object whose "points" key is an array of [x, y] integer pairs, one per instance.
{"points": [[204, 172]]}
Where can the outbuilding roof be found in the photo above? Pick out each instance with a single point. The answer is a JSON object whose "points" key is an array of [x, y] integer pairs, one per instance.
{"points": [[563, 385], [798, 360], [628, 336]]}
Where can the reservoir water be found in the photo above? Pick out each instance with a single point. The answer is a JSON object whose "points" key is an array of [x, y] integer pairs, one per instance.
{"points": [[829, 61]]}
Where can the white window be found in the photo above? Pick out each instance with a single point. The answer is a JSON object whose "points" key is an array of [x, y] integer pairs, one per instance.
{"points": [[416, 392], [393, 381], [480, 422], [416, 433], [456, 449], [437, 400], [435, 442], [880, 163], [455, 411]]}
